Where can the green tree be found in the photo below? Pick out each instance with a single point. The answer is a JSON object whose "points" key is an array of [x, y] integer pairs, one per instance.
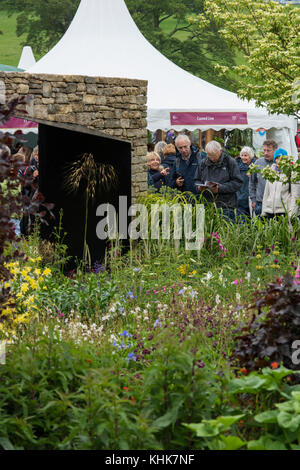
{"points": [[267, 34], [184, 44], [44, 23]]}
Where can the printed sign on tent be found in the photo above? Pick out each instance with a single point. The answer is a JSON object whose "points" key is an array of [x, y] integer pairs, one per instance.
{"points": [[217, 118]]}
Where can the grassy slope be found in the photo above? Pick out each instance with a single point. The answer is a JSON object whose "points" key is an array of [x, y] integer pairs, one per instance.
{"points": [[10, 44]]}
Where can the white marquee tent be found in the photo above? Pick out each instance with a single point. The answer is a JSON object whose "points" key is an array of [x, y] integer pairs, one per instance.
{"points": [[27, 59], [103, 40]]}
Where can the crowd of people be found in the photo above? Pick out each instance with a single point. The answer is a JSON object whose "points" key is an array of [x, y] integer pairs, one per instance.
{"points": [[222, 179], [28, 175]]}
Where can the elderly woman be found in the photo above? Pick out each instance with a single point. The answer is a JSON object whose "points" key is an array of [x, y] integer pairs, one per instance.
{"points": [[245, 159], [156, 172], [159, 147], [280, 198]]}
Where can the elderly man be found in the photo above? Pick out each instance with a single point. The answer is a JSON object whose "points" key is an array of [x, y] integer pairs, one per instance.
{"points": [[186, 163], [257, 183], [218, 178]]}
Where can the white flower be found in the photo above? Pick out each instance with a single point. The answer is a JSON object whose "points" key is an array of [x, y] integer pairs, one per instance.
{"points": [[208, 276]]}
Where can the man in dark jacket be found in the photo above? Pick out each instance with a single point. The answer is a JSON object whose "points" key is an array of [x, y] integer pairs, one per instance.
{"points": [[186, 163], [218, 178]]}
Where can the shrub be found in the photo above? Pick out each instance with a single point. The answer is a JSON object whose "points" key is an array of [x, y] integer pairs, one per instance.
{"points": [[269, 336]]}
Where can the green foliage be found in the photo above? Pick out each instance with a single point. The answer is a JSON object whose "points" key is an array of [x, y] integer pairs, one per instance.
{"points": [[267, 33], [278, 427], [271, 333], [165, 23], [43, 23], [197, 52]]}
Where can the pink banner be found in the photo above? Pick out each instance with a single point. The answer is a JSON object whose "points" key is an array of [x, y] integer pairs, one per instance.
{"points": [[17, 123], [208, 119]]}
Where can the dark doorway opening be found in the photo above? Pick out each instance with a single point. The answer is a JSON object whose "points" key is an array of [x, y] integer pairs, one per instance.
{"points": [[61, 145]]}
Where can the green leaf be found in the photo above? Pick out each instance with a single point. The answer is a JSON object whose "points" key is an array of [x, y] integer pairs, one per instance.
{"points": [[204, 429], [232, 442], [267, 417], [227, 421], [6, 444], [266, 443], [288, 421], [249, 384]]}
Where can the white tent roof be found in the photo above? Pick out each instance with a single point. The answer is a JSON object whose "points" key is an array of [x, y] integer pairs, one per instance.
{"points": [[103, 40], [27, 59]]}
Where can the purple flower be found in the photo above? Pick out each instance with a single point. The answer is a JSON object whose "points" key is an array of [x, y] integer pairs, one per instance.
{"points": [[200, 364], [131, 295], [98, 268], [276, 261]]}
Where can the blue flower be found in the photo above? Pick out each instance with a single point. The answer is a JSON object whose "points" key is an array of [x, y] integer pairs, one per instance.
{"points": [[136, 270], [131, 295], [125, 334], [131, 357], [157, 323]]}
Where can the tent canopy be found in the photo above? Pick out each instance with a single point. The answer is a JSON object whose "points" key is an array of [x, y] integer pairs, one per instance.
{"points": [[27, 59], [10, 68], [103, 40]]}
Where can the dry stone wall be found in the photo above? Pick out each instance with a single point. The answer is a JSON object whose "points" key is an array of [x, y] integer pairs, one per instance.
{"points": [[114, 106]]}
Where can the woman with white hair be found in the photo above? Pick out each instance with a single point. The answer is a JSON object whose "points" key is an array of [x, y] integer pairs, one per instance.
{"points": [[245, 159], [159, 147]]}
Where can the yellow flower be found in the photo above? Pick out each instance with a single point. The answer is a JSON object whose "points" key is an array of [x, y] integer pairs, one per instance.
{"points": [[37, 271], [34, 284], [24, 287], [182, 269], [27, 278], [258, 256], [192, 273], [41, 279], [45, 287], [15, 271], [47, 271], [24, 272], [276, 252], [259, 267], [7, 285]]}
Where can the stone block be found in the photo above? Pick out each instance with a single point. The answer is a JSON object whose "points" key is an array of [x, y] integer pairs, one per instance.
{"points": [[40, 112], [71, 88], [81, 87], [92, 89], [23, 89], [111, 123], [84, 119], [125, 123], [48, 100], [61, 98]]}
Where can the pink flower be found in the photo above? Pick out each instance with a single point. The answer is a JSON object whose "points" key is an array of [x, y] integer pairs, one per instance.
{"points": [[155, 292], [221, 247], [59, 313], [164, 289]]}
